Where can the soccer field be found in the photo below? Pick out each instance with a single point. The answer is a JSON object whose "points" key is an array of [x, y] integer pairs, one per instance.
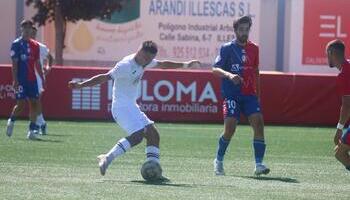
{"points": [[63, 164]]}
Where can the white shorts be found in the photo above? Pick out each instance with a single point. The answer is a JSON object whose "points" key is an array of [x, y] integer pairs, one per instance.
{"points": [[130, 118]]}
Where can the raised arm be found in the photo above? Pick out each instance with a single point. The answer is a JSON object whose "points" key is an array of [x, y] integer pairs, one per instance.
{"points": [[167, 64], [95, 80]]}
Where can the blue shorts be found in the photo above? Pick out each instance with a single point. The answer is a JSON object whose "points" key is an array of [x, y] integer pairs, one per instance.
{"points": [[27, 90], [345, 138], [232, 107]]}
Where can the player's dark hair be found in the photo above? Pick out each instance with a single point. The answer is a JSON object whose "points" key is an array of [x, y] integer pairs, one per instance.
{"points": [[150, 47], [242, 20], [27, 22], [336, 47]]}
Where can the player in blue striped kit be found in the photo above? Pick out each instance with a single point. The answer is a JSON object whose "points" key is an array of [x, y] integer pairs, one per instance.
{"points": [[25, 55], [237, 65]]}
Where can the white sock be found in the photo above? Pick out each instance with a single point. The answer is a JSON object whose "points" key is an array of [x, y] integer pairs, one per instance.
{"points": [[152, 153], [119, 149], [40, 120]]}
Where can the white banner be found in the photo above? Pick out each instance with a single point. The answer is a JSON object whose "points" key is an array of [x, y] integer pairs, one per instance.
{"points": [[183, 29]]}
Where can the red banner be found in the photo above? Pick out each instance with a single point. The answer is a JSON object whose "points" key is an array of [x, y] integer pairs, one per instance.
{"points": [[324, 20], [165, 95], [184, 96]]}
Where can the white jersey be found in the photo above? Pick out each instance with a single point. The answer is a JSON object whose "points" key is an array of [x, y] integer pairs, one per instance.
{"points": [[127, 75], [44, 52]]}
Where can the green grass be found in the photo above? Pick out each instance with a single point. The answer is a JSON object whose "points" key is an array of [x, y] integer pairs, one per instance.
{"points": [[63, 165]]}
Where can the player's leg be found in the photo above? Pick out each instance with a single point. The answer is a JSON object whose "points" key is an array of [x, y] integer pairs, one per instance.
{"points": [[18, 108], [230, 124], [152, 147], [255, 118], [33, 112], [256, 121], [32, 93], [342, 154], [342, 150], [231, 115], [133, 121], [16, 111], [120, 148], [40, 121], [124, 145]]}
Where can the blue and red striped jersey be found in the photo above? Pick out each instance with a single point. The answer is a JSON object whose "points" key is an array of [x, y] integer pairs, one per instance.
{"points": [[26, 53], [243, 61]]}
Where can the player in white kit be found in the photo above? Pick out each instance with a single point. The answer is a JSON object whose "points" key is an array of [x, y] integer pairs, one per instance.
{"points": [[127, 74], [44, 56]]}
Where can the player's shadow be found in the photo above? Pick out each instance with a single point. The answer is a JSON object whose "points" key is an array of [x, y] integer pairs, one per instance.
{"points": [[43, 140], [269, 178], [160, 183], [58, 135], [49, 140]]}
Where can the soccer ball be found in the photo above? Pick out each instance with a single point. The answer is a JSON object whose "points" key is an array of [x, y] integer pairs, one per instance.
{"points": [[151, 170]]}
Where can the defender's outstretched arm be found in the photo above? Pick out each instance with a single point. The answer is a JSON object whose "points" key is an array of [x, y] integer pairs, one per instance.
{"points": [[95, 80]]}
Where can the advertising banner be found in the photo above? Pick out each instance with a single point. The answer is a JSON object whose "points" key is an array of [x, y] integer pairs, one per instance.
{"points": [[183, 96], [183, 29], [164, 95], [324, 20]]}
